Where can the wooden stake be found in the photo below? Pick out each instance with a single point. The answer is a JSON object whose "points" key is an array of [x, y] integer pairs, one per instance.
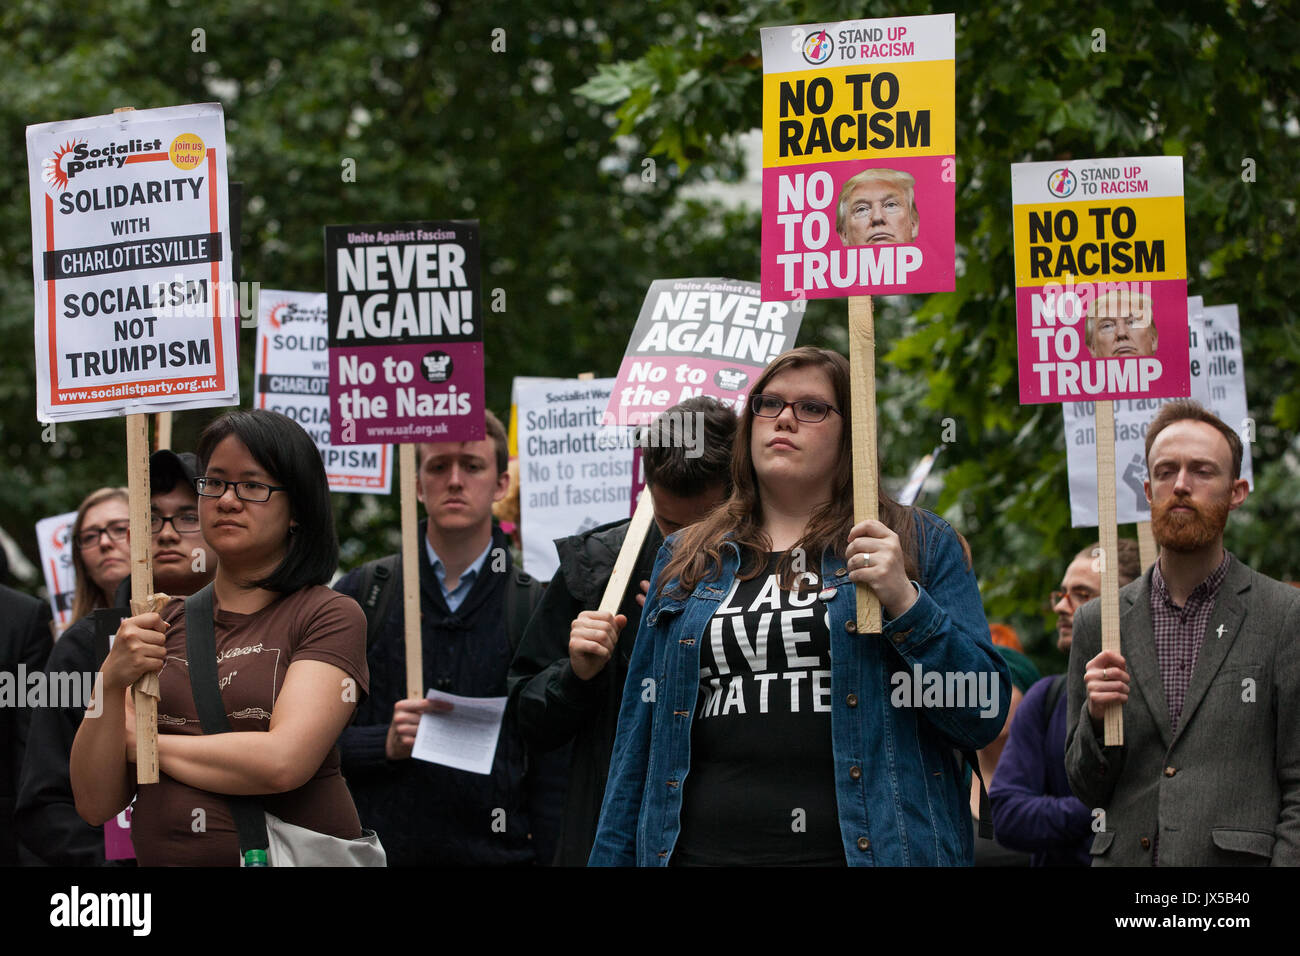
{"points": [[411, 574], [626, 562], [162, 433], [1147, 549], [862, 383], [586, 376], [1109, 533], [144, 693]]}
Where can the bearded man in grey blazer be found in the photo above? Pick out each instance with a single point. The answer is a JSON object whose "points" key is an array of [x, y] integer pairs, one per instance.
{"points": [[1209, 679]]}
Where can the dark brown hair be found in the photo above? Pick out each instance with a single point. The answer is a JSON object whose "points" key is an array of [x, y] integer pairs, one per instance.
{"points": [[667, 465], [697, 552], [1184, 409]]}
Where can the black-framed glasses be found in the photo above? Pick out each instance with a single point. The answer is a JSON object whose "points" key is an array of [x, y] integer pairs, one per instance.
{"points": [[116, 530], [1078, 596], [187, 522], [807, 410], [244, 490]]}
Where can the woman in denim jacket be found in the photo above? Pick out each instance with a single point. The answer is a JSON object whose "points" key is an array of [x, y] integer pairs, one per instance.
{"points": [[813, 745]]}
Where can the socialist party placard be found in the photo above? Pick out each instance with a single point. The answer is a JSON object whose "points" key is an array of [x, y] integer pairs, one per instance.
{"points": [[405, 332], [135, 307], [698, 337], [859, 165], [293, 379], [1101, 279], [54, 540]]}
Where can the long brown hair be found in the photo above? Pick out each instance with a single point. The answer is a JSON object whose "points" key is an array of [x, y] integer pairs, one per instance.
{"points": [[87, 595], [697, 554]]}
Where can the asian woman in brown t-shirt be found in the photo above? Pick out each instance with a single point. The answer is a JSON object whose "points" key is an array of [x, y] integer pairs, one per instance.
{"points": [[291, 663]]}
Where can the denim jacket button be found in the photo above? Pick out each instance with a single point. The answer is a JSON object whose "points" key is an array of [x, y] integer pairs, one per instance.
{"points": [[841, 572], [855, 773], [827, 595], [851, 700], [864, 843], [851, 626]]}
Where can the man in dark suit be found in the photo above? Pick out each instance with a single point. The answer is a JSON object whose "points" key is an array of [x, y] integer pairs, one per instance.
{"points": [[1209, 771], [25, 642]]}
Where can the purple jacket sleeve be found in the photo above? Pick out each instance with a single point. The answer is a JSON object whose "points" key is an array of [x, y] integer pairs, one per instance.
{"points": [[1025, 816]]}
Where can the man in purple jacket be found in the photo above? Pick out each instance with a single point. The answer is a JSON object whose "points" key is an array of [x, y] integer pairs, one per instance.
{"points": [[1034, 809]]}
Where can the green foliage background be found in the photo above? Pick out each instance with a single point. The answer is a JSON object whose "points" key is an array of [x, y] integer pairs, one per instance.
{"points": [[546, 143]]}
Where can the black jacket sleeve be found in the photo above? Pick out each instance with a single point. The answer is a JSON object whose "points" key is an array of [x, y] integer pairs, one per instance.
{"points": [[46, 817], [550, 700], [361, 745]]}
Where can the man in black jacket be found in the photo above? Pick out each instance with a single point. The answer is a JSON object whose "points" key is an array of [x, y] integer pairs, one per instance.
{"points": [[564, 686], [25, 643], [47, 819], [427, 814]]}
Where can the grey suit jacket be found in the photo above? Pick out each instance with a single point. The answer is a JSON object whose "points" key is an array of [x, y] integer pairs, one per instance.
{"points": [[1224, 790]]}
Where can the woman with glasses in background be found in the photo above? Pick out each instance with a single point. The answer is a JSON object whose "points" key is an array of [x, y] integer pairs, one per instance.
{"points": [[291, 663], [101, 549], [757, 726]]}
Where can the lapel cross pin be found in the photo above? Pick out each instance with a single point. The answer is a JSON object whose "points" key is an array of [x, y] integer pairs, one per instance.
{"points": [[1219, 632]]}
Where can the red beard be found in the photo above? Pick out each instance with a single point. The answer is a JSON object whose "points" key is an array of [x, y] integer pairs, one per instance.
{"points": [[1188, 530]]}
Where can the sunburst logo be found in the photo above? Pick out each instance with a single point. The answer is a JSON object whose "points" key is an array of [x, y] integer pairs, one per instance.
{"points": [[52, 170], [277, 310], [61, 535]]}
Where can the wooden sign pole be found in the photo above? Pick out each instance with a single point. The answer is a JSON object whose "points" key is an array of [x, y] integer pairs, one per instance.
{"points": [[1147, 549], [862, 383], [1109, 533], [144, 693], [411, 574], [162, 433], [626, 562]]}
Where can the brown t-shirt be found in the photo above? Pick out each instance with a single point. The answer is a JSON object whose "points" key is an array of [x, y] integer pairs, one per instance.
{"points": [[254, 652]]}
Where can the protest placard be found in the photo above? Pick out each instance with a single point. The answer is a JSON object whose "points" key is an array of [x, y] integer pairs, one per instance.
{"points": [[859, 166], [54, 543], [293, 379], [1101, 279], [405, 332], [698, 337], [1223, 392], [574, 473], [135, 306]]}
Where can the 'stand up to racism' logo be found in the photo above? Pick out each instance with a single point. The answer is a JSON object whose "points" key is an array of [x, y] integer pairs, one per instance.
{"points": [[52, 170], [818, 47], [1061, 182]]}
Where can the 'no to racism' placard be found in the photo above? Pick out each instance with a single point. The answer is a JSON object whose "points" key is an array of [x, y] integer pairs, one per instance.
{"points": [[1101, 279], [859, 174], [293, 379], [698, 337], [135, 308], [405, 332]]}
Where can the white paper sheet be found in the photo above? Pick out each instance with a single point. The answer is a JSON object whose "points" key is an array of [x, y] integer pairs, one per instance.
{"points": [[464, 737]]}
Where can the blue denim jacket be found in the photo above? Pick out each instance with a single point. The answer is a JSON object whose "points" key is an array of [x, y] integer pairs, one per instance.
{"points": [[898, 783]]}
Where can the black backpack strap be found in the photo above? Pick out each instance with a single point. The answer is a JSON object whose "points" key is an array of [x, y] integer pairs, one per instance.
{"points": [[201, 652], [523, 594], [986, 817], [375, 592], [1053, 697]]}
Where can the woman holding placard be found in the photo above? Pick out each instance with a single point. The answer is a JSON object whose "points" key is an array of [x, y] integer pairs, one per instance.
{"points": [[101, 549], [757, 726], [290, 663]]}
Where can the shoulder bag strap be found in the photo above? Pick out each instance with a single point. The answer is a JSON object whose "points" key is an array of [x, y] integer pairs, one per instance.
{"points": [[201, 651]]}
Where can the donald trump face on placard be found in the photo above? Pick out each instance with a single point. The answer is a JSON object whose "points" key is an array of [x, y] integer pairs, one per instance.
{"points": [[877, 206], [1121, 325]]}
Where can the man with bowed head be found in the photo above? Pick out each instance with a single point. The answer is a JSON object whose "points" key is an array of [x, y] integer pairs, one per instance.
{"points": [[567, 679], [1208, 679]]}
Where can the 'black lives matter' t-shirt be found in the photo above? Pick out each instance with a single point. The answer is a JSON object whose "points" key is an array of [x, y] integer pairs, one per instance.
{"points": [[761, 788]]}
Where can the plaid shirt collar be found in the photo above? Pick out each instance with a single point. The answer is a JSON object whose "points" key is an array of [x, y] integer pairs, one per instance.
{"points": [[1206, 589]]}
